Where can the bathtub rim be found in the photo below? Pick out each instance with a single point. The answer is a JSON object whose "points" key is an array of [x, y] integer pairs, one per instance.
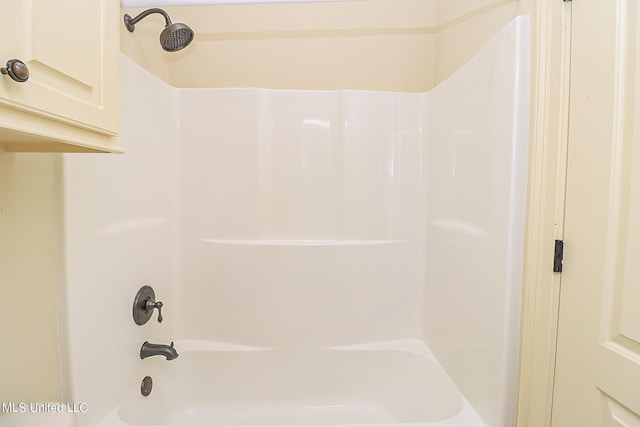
{"points": [[465, 417]]}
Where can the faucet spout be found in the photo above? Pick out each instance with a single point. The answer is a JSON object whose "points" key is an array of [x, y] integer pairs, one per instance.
{"points": [[148, 349]]}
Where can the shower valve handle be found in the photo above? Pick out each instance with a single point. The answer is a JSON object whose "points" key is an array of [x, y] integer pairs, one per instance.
{"points": [[151, 304], [17, 70]]}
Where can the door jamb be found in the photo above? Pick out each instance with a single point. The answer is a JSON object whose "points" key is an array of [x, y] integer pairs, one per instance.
{"points": [[545, 210]]}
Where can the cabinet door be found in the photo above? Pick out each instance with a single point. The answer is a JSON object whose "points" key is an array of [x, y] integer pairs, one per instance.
{"points": [[71, 50]]}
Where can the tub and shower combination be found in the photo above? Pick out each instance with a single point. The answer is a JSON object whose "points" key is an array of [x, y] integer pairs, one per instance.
{"points": [[324, 257]]}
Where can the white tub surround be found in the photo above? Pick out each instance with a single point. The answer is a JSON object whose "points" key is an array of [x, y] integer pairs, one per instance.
{"points": [[310, 248], [120, 214], [476, 170]]}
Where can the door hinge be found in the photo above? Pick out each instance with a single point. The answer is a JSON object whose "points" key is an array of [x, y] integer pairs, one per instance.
{"points": [[558, 256]]}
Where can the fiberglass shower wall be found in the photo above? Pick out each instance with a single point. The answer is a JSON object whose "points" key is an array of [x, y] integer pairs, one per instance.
{"points": [[300, 216], [316, 218], [476, 173], [332, 218], [120, 217], [305, 218]]}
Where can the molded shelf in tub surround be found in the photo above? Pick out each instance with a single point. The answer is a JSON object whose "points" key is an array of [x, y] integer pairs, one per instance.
{"points": [[298, 242]]}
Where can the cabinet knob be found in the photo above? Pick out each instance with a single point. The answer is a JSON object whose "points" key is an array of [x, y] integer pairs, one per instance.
{"points": [[17, 70]]}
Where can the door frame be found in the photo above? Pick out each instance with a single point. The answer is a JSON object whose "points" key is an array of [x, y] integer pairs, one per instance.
{"points": [[545, 209]]}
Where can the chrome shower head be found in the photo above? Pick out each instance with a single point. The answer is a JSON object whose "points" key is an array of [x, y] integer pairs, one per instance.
{"points": [[174, 37]]}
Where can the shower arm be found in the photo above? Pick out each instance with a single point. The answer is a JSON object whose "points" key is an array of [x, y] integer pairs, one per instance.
{"points": [[131, 22]]}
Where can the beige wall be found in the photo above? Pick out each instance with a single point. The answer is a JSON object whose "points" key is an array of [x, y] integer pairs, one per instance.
{"points": [[465, 26], [388, 45], [374, 45], [29, 361]]}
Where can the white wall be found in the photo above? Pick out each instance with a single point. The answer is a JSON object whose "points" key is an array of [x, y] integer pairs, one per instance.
{"points": [[119, 224], [285, 182], [476, 184]]}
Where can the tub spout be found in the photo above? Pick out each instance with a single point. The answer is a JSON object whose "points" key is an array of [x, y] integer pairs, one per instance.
{"points": [[148, 349]]}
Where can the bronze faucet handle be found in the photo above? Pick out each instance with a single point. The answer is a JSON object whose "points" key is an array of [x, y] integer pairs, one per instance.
{"points": [[151, 304]]}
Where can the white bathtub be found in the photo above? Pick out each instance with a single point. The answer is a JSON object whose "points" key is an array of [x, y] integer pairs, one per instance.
{"points": [[210, 384]]}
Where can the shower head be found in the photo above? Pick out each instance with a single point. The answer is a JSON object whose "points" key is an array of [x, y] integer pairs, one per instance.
{"points": [[174, 37]]}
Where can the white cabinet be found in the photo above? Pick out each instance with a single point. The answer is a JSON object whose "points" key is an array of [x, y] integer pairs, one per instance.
{"points": [[70, 101]]}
